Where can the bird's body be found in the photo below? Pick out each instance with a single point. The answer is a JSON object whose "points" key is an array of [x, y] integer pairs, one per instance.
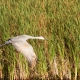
{"points": [[22, 46]]}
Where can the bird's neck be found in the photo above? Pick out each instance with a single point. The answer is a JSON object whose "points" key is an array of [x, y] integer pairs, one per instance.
{"points": [[36, 37]]}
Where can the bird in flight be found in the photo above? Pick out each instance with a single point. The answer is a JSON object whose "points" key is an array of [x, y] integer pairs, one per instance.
{"points": [[21, 45]]}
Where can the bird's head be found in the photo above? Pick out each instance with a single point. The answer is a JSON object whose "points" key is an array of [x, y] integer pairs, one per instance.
{"points": [[41, 37]]}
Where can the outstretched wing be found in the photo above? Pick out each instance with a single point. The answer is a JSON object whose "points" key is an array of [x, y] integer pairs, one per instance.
{"points": [[27, 50]]}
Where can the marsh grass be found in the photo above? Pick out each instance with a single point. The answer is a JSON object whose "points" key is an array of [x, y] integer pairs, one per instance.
{"points": [[58, 21]]}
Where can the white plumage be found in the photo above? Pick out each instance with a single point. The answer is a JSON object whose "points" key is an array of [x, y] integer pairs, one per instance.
{"points": [[22, 46]]}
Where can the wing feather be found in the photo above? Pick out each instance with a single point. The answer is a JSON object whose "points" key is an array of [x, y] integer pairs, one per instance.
{"points": [[27, 50]]}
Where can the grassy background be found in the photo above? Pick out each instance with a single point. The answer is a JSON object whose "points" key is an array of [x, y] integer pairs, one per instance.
{"points": [[56, 20]]}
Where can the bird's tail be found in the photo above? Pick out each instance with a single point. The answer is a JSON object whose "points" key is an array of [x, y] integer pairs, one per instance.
{"points": [[7, 42]]}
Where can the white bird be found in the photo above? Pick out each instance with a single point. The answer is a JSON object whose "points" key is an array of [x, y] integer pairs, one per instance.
{"points": [[22, 46]]}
